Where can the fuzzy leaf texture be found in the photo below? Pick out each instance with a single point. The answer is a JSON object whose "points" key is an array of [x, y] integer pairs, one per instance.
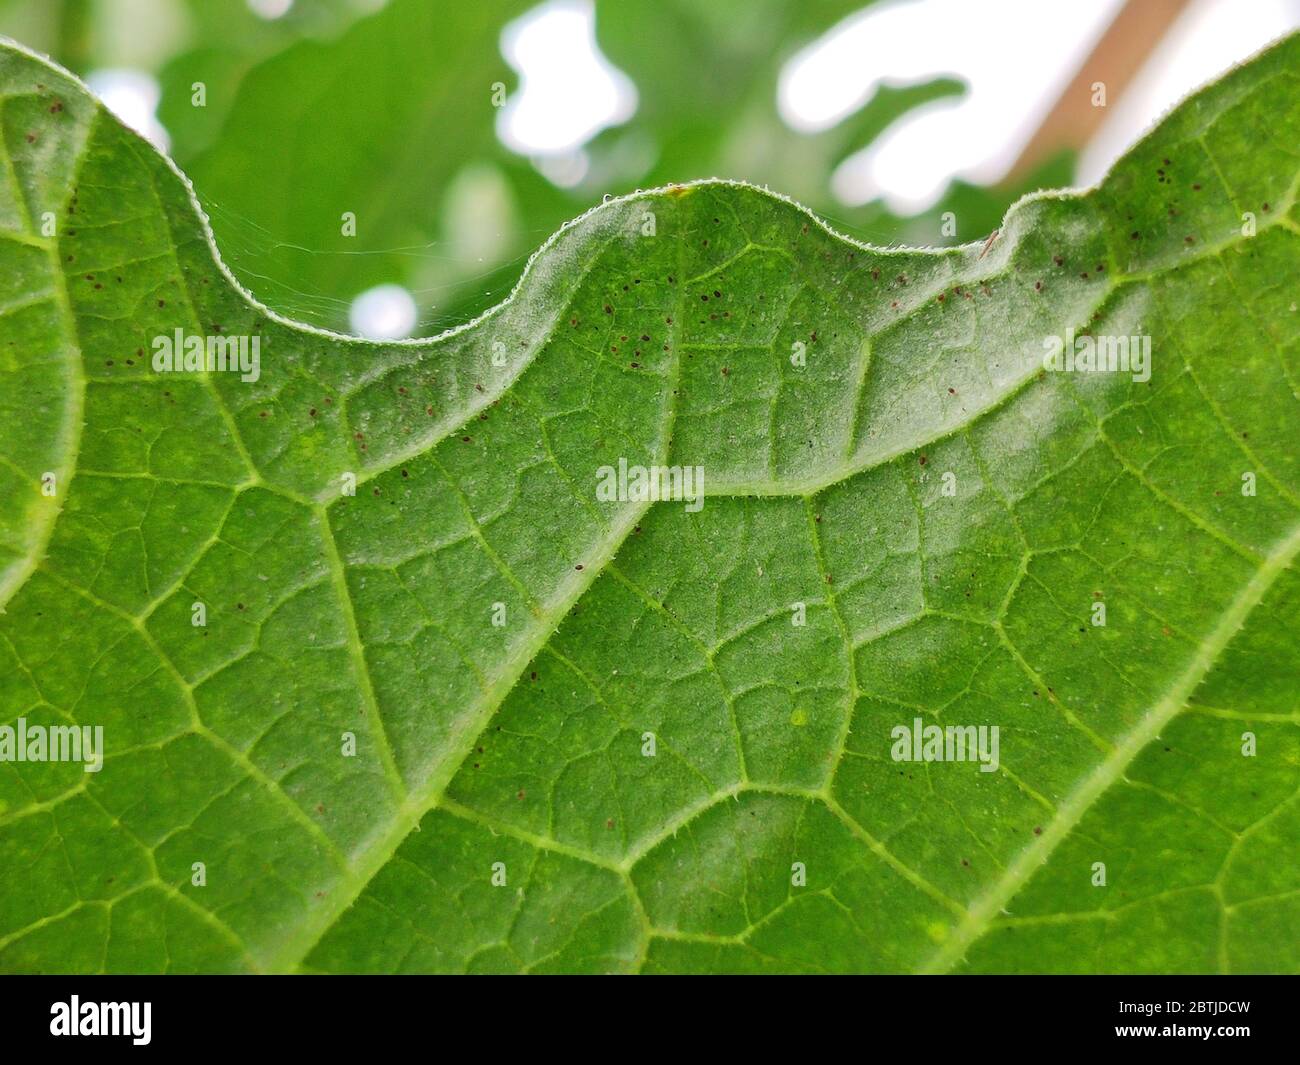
{"points": [[948, 513]]}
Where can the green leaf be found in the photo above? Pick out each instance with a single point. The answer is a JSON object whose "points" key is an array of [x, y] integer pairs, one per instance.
{"points": [[942, 514]]}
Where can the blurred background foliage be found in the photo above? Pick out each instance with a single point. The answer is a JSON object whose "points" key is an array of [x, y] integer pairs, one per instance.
{"points": [[387, 110]]}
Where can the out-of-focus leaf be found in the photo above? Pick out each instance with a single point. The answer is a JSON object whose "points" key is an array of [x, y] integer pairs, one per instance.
{"points": [[375, 124], [227, 40]]}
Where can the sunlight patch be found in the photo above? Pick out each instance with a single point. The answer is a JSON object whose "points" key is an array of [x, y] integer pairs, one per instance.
{"points": [[270, 9], [386, 312], [568, 90], [1014, 66]]}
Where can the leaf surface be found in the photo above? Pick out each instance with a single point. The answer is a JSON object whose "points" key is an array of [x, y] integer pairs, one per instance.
{"points": [[940, 513]]}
